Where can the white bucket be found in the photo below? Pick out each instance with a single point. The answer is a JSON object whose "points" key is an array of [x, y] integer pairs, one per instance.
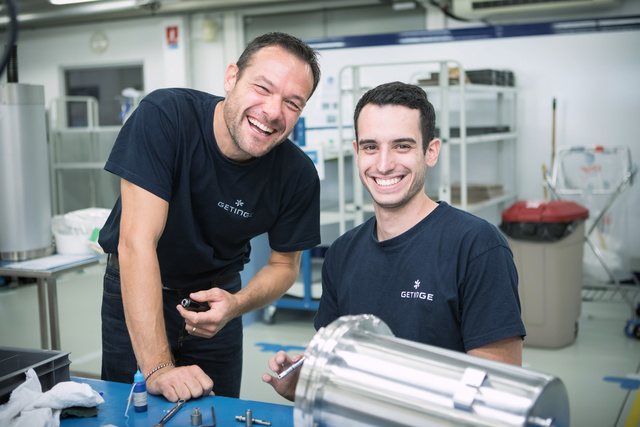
{"points": [[73, 231]]}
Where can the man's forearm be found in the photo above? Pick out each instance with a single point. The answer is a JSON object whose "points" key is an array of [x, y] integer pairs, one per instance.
{"points": [[270, 283], [142, 300], [508, 350]]}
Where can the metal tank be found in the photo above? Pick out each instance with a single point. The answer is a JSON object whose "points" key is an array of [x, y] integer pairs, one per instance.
{"points": [[356, 373], [25, 201]]}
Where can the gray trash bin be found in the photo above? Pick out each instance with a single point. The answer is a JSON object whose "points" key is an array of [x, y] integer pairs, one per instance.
{"points": [[547, 241]]}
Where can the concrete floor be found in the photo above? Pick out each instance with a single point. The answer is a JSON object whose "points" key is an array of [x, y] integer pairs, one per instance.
{"points": [[591, 368]]}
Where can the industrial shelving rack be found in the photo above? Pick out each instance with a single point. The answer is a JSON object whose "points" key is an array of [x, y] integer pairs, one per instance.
{"points": [[77, 155], [454, 130]]}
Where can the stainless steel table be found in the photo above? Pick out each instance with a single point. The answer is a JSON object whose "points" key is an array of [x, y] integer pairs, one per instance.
{"points": [[46, 270]]}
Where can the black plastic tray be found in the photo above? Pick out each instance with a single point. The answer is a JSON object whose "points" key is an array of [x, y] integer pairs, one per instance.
{"points": [[51, 367]]}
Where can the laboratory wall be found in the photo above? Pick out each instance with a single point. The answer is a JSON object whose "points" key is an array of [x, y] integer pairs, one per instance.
{"points": [[593, 77]]}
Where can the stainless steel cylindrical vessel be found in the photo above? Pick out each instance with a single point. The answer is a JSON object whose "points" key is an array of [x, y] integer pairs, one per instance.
{"points": [[25, 201], [356, 373]]}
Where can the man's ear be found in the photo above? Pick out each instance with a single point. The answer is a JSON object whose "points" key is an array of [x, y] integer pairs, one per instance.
{"points": [[433, 150], [230, 77], [355, 146]]}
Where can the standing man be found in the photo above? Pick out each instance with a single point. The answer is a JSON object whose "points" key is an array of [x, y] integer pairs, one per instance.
{"points": [[433, 273], [201, 176]]}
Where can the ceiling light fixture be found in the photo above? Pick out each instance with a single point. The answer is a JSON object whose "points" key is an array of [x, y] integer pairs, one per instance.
{"points": [[403, 5], [62, 2]]}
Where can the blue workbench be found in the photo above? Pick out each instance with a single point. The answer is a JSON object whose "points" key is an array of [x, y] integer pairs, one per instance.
{"points": [[111, 412]]}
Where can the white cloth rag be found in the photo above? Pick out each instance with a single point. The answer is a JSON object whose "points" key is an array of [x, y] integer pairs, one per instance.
{"points": [[28, 406]]}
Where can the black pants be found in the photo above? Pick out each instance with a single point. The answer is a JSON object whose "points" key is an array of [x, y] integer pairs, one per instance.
{"points": [[219, 357]]}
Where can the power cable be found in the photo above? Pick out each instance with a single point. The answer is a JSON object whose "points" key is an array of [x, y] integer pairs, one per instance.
{"points": [[13, 34], [446, 10]]}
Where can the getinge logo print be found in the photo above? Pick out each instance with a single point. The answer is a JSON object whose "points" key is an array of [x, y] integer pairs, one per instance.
{"points": [[236, 209], [416, 293]]}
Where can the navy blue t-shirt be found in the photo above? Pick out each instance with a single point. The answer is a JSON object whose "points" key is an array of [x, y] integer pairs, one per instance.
{"points": [[216, 205], [450, 281]]}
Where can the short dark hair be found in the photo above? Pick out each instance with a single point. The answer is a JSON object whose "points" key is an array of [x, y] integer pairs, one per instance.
{"points": [[291, 44], [406, 95]]}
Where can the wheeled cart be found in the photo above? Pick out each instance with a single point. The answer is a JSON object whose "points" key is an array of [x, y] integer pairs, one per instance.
{"points": [[597, 176], [307, 300]]}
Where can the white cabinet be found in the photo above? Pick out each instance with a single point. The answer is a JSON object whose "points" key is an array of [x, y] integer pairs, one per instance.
{"points": [[476, 123]]}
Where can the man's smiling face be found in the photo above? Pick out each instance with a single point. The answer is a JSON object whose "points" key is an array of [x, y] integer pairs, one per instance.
{"points": [[390, 158], [264, 103]]}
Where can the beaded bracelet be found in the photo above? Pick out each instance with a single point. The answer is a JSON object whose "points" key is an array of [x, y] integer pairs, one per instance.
{"points": [[157, 369]]}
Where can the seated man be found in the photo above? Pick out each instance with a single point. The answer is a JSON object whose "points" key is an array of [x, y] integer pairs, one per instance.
{"points": [[433, 273]]}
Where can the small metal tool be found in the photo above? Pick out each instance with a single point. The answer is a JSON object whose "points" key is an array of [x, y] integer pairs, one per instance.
{"points": [[243, 419], [291, 368], [213, 415], [196, 417], [171, 413], [192, 305]]}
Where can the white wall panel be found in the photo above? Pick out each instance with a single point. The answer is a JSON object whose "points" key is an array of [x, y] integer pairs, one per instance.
{"points": [[593, 76]]}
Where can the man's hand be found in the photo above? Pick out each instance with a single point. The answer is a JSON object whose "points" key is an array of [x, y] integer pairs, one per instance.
{"points": [[222, 309], [184, 382], [285, 387], [269, 284]]}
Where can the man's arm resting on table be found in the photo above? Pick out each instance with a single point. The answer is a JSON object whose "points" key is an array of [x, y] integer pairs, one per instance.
{"points": [[508, 350], [142, 223]]}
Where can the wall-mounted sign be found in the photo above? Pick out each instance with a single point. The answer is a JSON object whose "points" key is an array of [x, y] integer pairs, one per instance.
{"points": [[172, 37]]}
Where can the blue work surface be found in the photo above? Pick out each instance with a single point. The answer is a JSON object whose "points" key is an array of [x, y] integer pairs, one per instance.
{"points": [[115, 395]]}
